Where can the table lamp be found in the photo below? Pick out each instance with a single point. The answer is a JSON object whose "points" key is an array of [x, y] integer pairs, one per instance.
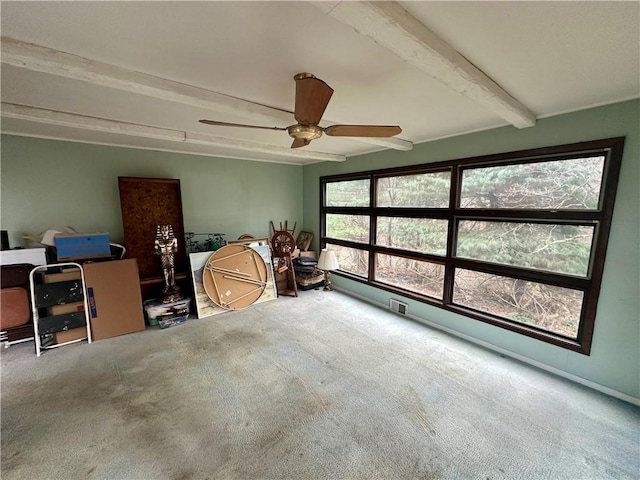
{"points": [[327, 262]]}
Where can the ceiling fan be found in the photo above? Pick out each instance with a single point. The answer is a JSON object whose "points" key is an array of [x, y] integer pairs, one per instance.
{"points": [[312, 98]]}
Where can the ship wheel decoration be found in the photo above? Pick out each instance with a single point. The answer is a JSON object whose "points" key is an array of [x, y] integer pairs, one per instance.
{"points": [[283, 243]]}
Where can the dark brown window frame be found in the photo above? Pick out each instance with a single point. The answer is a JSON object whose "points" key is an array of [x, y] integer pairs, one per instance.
{"points": [[612, 150]]}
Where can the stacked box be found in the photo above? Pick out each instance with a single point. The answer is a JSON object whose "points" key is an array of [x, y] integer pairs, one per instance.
{"points": [[65, 275], [65, 308], [71, 247], [310, 280], [70, 335], [167, 315]]}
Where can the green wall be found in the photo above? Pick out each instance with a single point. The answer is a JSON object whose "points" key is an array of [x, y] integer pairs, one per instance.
{"points": [[614, 362], [49, 184]]}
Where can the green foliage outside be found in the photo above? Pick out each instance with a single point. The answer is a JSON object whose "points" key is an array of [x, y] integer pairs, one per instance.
{"points": [[554, 248], [563, 184], [354, 228], [426, 235], [352, 193], [427, 190]]}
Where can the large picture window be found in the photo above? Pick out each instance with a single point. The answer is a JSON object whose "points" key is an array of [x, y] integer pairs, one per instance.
{"points": [[517, 240]]}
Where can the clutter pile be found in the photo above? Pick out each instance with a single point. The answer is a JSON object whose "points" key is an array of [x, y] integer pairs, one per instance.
{"points": [[308, 276]]}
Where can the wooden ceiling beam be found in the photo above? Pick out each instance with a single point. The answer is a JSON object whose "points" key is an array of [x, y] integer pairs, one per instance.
{"points": [[53, 117], [392, 27], [54, 62]]}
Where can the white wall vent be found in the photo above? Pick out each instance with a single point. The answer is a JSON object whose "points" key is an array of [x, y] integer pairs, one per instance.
{"points": [[398, 307]]}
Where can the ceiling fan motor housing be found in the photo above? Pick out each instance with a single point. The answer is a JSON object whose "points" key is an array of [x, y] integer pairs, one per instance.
{"points": [[304, 132]]}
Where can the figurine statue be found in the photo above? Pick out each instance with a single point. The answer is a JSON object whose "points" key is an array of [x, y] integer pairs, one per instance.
{"points": [[166, 245]]}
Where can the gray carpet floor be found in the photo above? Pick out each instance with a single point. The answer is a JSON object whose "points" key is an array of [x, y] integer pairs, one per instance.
{"points": [[317, 387]]}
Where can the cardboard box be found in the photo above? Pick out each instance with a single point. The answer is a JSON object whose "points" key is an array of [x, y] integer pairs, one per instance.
{"points": [[282, 280], [65, 308], [312, 278], [61, 277], [70, 335], [81, 246], [115, 301], [309, 253]]}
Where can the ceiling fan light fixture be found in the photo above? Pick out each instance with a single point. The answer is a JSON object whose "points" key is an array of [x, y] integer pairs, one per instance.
{"points": [[305, 132], [303, 75], [312, 98]]}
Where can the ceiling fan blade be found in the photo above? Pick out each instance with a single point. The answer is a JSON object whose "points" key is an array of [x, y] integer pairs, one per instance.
{"points": [[225, 124], [312, 98], [300, 142], [362, 131]]}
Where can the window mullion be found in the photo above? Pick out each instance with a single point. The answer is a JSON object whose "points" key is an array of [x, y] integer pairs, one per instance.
{"points": [[454, 199], [373, 227], [543, 215]]}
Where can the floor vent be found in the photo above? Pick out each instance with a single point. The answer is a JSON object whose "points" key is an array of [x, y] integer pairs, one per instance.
{"points": [[398, 307]]}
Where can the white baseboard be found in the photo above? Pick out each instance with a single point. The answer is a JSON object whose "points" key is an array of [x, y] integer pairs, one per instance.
{"points": [[503, 351]]}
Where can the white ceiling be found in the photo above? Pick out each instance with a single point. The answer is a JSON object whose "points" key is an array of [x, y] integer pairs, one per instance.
{"points": [[551, 57]]}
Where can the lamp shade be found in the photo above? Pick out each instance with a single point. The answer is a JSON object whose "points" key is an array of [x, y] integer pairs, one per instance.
{"points": [[327, 260]]}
